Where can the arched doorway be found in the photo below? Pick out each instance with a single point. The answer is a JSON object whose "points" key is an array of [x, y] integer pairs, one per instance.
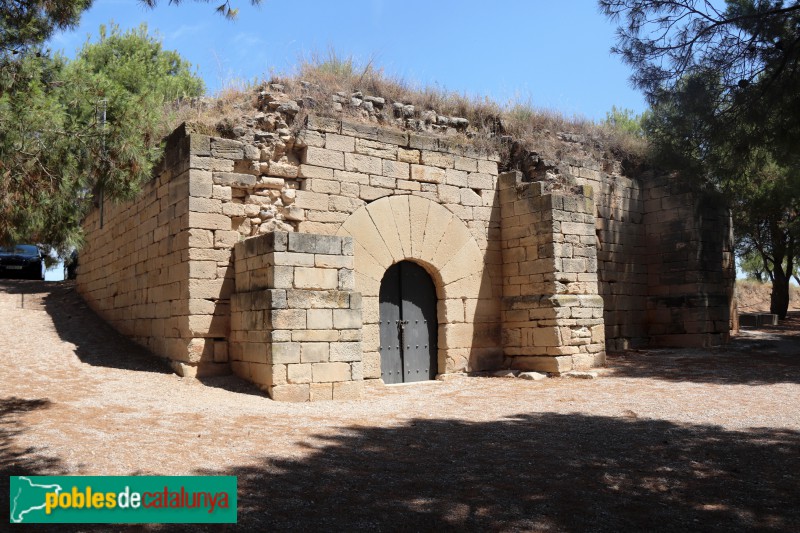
{"points": [[408, 326]]}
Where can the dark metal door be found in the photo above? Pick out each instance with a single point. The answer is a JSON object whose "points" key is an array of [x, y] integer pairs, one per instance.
{"points": [[391, 354], [408, 324]]}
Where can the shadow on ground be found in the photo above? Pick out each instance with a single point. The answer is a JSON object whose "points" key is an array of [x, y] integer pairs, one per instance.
{"points": [[16, 460], [96, 342], [533, 472], [754, 357], [728, 366]]}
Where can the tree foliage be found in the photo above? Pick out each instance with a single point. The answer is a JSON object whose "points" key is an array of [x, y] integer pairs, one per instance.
{"points": [[753, 266], [71, 130], [225, 9], [31, 22], [56, 154], [747, 42], [724, 88], [751, 48], [625, 120]]}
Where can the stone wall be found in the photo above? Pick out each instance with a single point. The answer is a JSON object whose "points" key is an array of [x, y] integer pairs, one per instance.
{"points": [[522, 270], [619, 229], [690, 264], [552, 313], [134, 269], [622, 260], [295, 318]]}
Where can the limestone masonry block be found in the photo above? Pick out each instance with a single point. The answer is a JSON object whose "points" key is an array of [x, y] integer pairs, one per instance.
{"points": [[299, 373], [422, 142], [390, 136], [360, 130], [290, 393], [408, 156], [427, 174], [323, 158], [311, 171], [376, 149], [348, 390], [362, 163], [396, 169], [285, 353], [316, 278], [437, 159], [232, 179], [330, 372], [488, 167], [227, 149], [466, 163], [339, 142], [315, 352]]}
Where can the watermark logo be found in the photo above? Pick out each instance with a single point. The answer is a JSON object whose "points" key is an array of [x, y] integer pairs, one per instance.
{"points": [[123, 499]]}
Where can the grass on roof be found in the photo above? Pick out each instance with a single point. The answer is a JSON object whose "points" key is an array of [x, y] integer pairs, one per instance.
{"points": [[323, 75]]}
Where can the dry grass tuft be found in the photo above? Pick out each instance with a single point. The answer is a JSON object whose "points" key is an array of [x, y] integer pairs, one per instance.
{"points": [[319, 76], [234, 104]]}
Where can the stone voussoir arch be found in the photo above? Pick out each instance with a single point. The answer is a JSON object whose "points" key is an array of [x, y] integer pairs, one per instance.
{"points": [[407, 227]]}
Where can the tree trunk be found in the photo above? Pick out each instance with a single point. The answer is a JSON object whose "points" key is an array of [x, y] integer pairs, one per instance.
{"points": [[779, 299]]}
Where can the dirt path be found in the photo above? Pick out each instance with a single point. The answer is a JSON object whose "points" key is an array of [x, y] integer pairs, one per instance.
{"points": [[663, 441]]}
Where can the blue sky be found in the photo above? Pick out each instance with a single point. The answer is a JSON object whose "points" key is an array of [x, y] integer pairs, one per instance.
{"points": [[553, 54]]}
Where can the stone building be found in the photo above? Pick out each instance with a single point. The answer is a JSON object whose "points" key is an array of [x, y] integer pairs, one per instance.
{"points": [[312, 255]]}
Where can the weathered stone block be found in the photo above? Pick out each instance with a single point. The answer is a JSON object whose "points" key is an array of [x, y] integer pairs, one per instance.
{"points": [[209, 221], [330, 372], [436, 159], [321, 157], [547, 336], [341, 143], [288, 318], [349, 390], [298, 373], [555, 365], [427, 174], [362, 163], [376, 149], [290, 393], [232, 179], [408, 156], [360, 130], [285, 353], [315, 352], [321, 392], [316, 278], [345, 351], [466, 163], [488, 167], [319, 319], [227, 149], [386, 135], [422, 142]]}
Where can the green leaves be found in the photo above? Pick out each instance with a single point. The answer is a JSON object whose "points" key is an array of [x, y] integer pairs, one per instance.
{"points": [[724, 86], [71, 130], [626, 120]]}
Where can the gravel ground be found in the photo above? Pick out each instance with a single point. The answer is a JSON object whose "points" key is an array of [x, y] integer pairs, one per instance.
{"points": [[663, 440]]}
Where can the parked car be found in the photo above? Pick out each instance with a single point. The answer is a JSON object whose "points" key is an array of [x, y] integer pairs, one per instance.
{"points": [[21, 261]]}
